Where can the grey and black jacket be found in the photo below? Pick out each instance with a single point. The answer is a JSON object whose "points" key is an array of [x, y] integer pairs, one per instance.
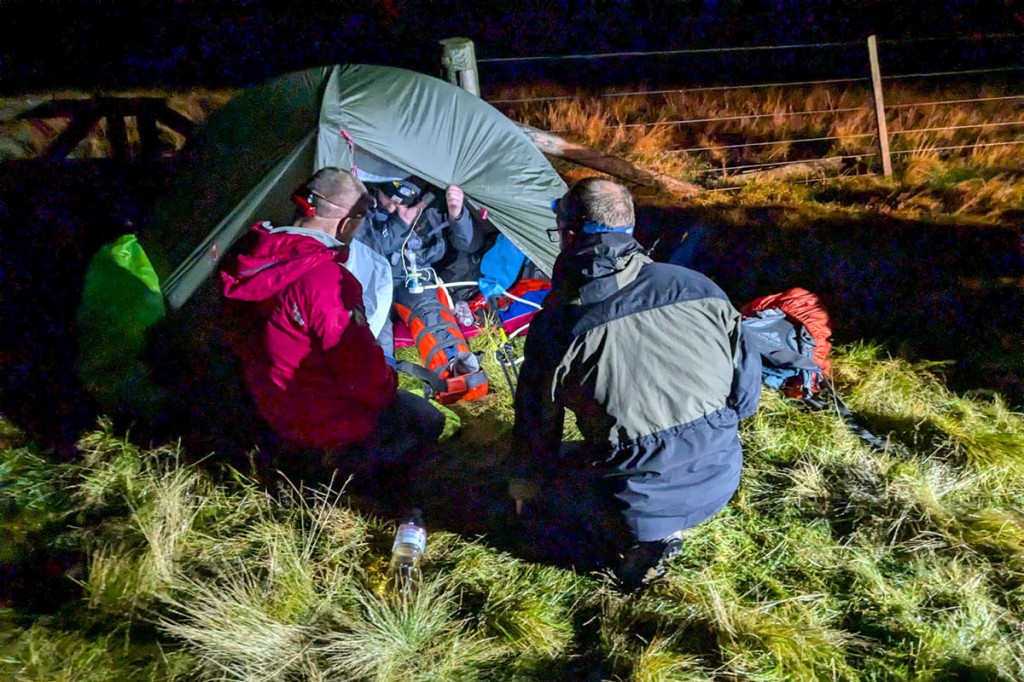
{"points": [[386, 232], [652, 360]]}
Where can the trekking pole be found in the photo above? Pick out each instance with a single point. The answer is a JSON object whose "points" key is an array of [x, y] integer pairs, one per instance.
{"points": [[502, 351], [506, 343]]}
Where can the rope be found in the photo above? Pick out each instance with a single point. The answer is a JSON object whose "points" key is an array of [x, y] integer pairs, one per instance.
{"points": [[522, 300]]}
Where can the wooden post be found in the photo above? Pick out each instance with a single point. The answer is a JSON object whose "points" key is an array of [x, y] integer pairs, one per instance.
{"points": [[883, 130], [459, 62]]}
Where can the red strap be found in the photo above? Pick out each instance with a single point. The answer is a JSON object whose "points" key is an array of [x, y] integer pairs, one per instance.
{"points": [[351, 149]]}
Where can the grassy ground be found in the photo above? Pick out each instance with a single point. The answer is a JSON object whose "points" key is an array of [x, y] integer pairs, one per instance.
{"points": [[832, 562]]}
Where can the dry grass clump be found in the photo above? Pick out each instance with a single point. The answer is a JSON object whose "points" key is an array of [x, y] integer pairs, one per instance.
{"points": [[832, 562], [960, 158]]}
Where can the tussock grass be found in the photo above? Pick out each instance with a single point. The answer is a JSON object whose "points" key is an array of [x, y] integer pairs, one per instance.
{"points": [[976, 430], [527, 608], [231, 631], [47, 654], [833, 562], [422, 638]]}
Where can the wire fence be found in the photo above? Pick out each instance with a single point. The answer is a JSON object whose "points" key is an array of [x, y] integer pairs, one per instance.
{"points": [[772, 130]]}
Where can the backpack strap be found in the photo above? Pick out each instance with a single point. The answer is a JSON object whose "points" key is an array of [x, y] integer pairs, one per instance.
{"points": [[829, 399], [448, 389], [434, 383]]}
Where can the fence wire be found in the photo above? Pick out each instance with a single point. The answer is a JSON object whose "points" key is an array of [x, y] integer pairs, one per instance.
{"points": [[826, 82], [658, 53], [997, 124], [738, 117], [767, 144], [725, 50], [957, 147], [676, 91], [782, 164], [963, 72], [953, 101]]}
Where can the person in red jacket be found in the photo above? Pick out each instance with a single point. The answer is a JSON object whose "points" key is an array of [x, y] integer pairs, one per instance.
{"points": [[294, 317]]}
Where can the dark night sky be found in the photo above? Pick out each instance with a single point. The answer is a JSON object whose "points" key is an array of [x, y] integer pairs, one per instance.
{"points": [[113, 44]]}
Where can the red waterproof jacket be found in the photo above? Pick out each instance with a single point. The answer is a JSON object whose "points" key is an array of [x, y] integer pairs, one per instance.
{"points": [[294, 317]]}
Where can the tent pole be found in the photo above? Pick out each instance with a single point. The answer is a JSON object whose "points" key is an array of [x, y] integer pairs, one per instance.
{"points": [[459, 61]]}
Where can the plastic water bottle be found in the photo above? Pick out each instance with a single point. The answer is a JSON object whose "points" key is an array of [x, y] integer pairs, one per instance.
{"points": [[463, 314], [410, 541]]}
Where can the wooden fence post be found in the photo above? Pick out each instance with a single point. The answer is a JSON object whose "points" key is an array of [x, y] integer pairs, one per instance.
{"points": [[883, 130], [459, 62]]}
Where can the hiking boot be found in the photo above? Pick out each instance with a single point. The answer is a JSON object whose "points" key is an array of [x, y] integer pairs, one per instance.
{"points": [[646, 562]]}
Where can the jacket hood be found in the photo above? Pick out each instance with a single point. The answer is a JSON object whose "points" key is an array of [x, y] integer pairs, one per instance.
{"points": [[599, 268], [275, 261]]}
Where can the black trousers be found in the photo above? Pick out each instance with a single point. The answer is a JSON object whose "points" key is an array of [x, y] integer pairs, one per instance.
{"points": [[405, 436]]}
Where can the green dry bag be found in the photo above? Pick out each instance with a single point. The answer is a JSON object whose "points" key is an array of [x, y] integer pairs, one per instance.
{"points": [[121, 300]]}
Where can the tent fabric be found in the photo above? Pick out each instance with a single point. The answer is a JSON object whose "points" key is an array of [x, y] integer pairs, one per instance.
{"points": [[446, 136], [249, 156], [240, 168]]}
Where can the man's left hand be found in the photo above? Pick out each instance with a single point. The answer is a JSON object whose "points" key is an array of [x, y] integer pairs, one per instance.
{"points": [[522, 490], [409, 214], [454, 197]]}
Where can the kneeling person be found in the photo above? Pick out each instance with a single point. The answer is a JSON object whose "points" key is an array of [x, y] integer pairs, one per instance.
{"points": [[294, 317], [652, 360]]}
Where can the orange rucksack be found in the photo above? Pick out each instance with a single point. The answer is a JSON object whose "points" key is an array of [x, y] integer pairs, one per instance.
{"points": [[792, 332]]}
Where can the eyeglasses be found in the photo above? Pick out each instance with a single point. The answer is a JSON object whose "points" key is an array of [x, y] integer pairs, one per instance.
{"points": [[555, 233], [371, 204]]}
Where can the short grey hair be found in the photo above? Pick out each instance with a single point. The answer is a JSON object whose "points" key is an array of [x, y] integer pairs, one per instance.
{"points": [[602, 201], [335, 184]]}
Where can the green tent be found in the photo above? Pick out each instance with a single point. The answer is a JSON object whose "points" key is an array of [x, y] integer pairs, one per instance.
{"points": [[249, 157]]}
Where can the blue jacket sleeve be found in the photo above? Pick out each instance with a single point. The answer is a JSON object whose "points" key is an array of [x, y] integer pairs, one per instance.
{"points": [[461, 230], [746, 381]]}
